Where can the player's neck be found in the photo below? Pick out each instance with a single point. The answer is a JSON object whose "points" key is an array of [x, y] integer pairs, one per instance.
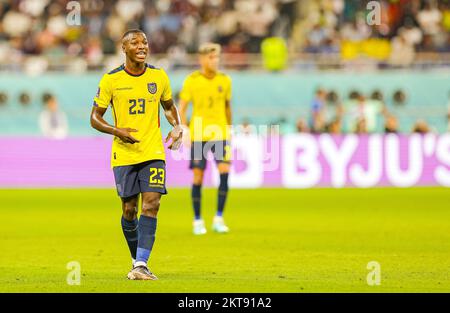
{"points": [[135, 68], [208, 74]]}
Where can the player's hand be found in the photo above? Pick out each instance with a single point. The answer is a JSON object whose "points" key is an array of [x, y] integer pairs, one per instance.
{"points": [[176, 134], [124, 134]]}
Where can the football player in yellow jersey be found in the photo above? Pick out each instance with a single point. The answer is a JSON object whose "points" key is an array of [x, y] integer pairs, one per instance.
{"points": [[134, 91], [210, 93]]}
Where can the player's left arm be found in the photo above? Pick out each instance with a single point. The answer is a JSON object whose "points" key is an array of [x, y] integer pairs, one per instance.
{"points": [[173, 117]]}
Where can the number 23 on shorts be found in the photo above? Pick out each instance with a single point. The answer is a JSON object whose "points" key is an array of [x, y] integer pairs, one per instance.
{"points": [[157, 176]]}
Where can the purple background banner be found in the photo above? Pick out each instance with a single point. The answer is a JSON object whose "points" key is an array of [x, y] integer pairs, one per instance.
{"points": [[293, 161]]}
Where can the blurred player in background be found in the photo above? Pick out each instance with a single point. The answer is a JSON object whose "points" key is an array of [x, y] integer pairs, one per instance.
{"points": [[135, 90], [210, 93]]}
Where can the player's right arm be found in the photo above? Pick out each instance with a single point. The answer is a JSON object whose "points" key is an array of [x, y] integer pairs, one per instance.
{"points": [[101, 103]]}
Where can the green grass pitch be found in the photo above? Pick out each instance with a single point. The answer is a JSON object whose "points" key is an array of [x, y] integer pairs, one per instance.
{"points": [[316, 240]]}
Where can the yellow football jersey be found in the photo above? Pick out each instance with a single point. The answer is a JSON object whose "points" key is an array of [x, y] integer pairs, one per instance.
{"points": [[208, 97], [135, 101]]}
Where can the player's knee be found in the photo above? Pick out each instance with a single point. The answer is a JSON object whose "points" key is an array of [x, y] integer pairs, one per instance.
{"points": [[129, 209], [150, 206], [198, 178], [223, 167], [130, 212]]}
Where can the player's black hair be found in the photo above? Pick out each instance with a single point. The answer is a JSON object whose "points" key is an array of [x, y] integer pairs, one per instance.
{"points": [[132, 31]]}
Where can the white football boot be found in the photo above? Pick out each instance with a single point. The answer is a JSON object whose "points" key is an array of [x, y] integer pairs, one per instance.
{"points": [[219, 225], [199, 227]]}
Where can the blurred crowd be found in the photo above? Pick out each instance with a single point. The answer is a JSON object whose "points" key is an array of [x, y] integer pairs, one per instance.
{"points": [[177, 27], [52, 121], [402, 28], [358, 114], [355, 113]]}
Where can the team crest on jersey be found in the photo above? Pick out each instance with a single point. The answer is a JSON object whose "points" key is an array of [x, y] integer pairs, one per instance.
{"points": [[220, 88], [152, 88]]}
